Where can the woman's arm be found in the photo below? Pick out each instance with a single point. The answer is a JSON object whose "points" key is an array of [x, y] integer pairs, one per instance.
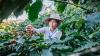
{"points": [[30, 29]]}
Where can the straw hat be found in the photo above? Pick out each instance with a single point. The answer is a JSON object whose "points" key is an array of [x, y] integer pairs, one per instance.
{"points": [[55, 17]]}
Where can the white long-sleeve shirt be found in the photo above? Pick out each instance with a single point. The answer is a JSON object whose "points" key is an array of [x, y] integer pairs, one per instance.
{"points": [[48, 35]]}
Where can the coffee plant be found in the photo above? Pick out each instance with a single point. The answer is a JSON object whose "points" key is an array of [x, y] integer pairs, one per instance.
{"points": [[80, 28]]}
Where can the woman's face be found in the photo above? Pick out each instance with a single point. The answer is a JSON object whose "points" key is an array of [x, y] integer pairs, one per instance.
{"points": [[53, 23]]}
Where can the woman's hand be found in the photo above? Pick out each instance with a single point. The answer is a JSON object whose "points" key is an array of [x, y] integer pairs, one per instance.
{"points": [[30, 29]]}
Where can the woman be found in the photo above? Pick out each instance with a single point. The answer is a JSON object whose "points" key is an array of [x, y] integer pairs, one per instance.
{"points": [[51, 33]]}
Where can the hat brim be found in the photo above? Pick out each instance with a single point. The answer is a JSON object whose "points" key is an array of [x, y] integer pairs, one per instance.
{"points": [[48, 19]]}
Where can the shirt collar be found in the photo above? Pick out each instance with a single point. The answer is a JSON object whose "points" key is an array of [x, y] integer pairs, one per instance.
{"points": [[54, 30]]}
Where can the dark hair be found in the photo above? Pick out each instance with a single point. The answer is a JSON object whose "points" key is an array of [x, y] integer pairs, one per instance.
{"points": [[58, 22]]}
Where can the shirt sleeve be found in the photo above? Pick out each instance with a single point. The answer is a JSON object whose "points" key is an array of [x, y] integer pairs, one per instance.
{"points": [[57, 35], [40, 30]]}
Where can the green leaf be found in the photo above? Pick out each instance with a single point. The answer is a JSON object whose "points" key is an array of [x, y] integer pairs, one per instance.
{"points": [[93, 34], [61, 7], [79, 24], [34, 10], [42, 46]]}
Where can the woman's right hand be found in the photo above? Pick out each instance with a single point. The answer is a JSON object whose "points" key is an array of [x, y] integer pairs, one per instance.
{"points": [[29, 29]]}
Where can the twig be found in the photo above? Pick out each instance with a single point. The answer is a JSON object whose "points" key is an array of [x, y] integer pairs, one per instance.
{"points": [[73, 4]]}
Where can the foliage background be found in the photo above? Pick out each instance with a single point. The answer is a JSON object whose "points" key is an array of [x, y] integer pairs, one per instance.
{"points": [[80, 30]]}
